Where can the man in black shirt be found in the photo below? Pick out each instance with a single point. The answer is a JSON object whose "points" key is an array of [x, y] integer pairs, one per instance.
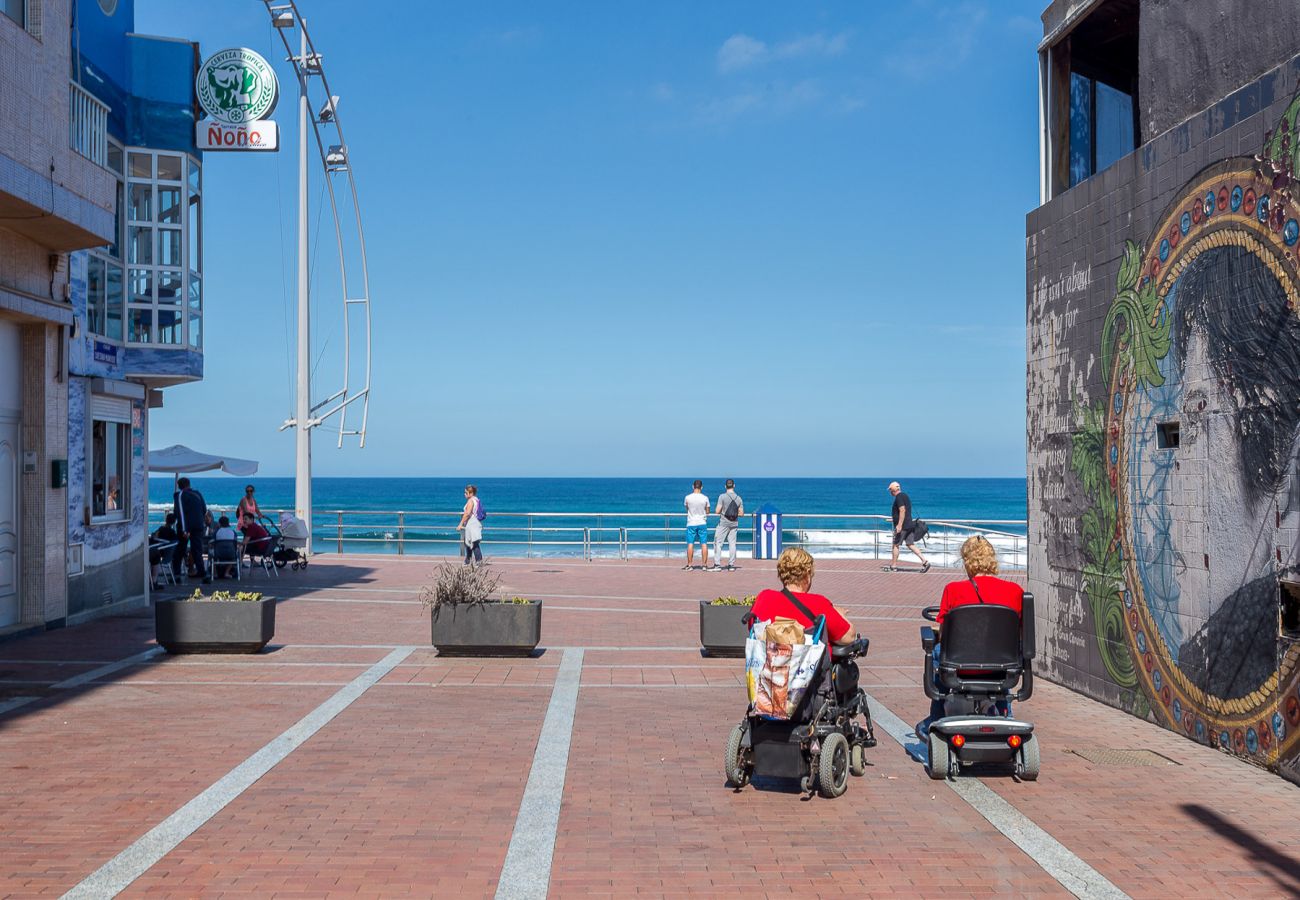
{"points": [[190, 509], [901, 519]]}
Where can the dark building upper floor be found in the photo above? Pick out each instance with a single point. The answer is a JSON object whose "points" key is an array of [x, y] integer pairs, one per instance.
{"points": [[1114, 74]]}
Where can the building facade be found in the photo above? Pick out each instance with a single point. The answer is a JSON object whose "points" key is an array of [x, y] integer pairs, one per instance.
{"points": [[1163, 374], [100, 296]]}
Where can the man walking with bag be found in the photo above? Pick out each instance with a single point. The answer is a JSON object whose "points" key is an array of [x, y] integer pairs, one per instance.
{"points": [[905, 528], [729, 509]]}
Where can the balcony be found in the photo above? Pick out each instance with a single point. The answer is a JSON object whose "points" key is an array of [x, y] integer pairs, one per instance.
{"points": [[88, 125]]}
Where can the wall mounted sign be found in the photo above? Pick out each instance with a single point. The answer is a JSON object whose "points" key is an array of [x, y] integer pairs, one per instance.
{"points": [[238, 89], [105, 352]]}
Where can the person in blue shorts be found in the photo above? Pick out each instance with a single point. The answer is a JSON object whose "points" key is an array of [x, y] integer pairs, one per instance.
{"points": [[697, 525]]}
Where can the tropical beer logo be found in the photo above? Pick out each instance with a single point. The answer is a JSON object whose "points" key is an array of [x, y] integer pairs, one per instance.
{"points": [[236, 86]]}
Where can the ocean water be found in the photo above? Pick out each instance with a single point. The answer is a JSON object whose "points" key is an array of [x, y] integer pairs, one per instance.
{"points": [[622, 516]]}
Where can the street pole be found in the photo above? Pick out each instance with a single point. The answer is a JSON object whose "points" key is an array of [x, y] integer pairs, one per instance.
{"points": [[302, 483]]}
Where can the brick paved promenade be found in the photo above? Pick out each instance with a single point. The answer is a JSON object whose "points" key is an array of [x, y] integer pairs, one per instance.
{"points": [[414, 788]]}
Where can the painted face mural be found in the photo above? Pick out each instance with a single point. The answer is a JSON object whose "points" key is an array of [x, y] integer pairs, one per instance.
{"points": [[1184, 550]]}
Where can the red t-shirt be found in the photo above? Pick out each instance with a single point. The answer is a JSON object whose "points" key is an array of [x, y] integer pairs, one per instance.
{"points": [[255, 537], [770, 604], [993, 589]]}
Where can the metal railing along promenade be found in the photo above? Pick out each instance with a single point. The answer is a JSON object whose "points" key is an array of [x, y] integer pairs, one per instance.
{"points": [[626, 535]]}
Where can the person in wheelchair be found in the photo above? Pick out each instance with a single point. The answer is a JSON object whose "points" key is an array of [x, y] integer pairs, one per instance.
{"points": [[981, 586], [795, 571]]}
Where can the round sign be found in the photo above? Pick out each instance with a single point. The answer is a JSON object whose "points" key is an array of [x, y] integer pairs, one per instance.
{"points": [[236, 86]]}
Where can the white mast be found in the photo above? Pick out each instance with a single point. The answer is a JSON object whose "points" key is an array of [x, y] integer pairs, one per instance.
{"points": [[333, 154]]}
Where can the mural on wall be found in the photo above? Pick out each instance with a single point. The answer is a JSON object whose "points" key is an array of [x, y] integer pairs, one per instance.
{"points": [[1183, 550]]}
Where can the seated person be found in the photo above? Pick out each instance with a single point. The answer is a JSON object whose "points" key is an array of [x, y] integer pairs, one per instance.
{"points": [[256, 538], [981, 586], [224, 533], [795, 569], [164, 534], [209, 526]]}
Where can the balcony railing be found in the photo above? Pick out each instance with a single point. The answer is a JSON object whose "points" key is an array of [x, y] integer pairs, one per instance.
{"points": [[88, 125]]}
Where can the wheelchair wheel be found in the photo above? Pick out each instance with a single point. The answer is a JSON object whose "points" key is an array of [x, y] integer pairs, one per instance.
{"points": [[833, 767], [857, 760], [940, 759], [734, 766], [1027, 760]]}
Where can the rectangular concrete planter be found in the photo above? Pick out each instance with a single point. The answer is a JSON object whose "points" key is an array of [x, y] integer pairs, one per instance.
{"points": [[722, 633], [488, 629], [214, 626]]}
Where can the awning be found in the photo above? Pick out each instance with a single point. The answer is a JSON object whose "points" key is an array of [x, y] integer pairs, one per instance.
{"points": [[179, 458]]}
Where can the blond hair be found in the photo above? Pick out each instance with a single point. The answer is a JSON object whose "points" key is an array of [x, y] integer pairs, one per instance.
{"points": [[795, 566], [979, 557]]}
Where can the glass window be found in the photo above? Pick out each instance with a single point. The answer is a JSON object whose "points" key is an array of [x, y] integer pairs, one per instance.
{"points": [[141, 326], [113, 301], [141, 165], [169, 167], [141, 207], [16, 10], [170, 286], [163, 246], [140, 246], [169, 247], [1101, 126], [171, 326], [116, 158], [1114, 125], [196, 332], [119, 210], [169, 204], [141, 286], [96, 293], [110, 458]]}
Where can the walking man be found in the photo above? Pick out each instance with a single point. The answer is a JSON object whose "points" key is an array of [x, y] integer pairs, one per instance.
{"points": [[697, 527], [901, 518], [730, 508], [191, 510]]}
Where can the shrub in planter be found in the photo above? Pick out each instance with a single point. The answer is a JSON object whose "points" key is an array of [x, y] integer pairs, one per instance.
{"points": [[722, 629], [222, 622], [467, 621]]}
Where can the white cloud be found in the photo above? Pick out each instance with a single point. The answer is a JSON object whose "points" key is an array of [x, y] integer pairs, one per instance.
{"points": [[812, 45], [740, 51], [663, 92], [942, 48], [772, 101]]}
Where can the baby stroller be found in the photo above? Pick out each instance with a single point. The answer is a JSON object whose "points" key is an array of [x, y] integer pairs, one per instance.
{"points": [[290, 539], [822, 742]]}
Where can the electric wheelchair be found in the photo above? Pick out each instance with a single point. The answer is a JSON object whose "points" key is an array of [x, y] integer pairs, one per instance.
{"points": [[822, 743], [985, 651]]}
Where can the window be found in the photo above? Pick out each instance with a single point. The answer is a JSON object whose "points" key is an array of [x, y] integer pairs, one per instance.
{"points": [[164, 270], [110, 458], [1101, 126], [15, 9], [1089, 79], [104, 273], [1167, 436]]}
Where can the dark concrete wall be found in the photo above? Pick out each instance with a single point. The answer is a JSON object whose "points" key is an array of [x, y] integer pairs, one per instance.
{"points": [[1166, 289], [1193, 52]]}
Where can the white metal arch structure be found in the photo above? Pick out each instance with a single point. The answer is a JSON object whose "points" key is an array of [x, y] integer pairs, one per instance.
{"points": [[321, 115]]}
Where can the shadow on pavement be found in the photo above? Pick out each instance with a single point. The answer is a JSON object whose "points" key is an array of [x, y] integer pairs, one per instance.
{"points": [[1282, 868], [114, 639]]}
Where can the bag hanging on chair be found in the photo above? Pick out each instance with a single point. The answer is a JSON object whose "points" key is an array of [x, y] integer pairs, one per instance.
{"points": [[778, 675]]}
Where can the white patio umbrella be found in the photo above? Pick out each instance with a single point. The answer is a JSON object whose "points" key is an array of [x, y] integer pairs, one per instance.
{"points": [[178, 458]]}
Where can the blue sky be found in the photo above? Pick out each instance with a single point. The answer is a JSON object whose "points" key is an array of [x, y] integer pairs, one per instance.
{"points": [[606, 239]]}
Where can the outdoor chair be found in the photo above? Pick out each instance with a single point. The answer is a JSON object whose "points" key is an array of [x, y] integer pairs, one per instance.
{"points": [[160, 569], [224, 554]]}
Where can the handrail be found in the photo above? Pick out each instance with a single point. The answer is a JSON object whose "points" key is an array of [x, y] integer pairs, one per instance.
{"points": [[623, 535], [87, 124]]}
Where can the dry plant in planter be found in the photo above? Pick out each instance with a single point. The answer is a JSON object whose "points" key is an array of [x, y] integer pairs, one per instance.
{"points": [[455, 584]]}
